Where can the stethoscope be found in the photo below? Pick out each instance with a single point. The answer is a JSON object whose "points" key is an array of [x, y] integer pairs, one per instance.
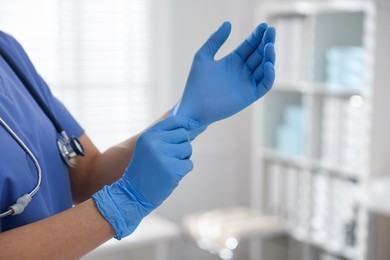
{"points": [[69, 147]]}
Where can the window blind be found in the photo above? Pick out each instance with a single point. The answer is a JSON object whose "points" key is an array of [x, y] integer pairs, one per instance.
{"points": [[95, 56]]}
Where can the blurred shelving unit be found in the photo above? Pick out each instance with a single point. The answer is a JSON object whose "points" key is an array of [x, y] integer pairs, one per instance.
{"points": [[312, 132]]}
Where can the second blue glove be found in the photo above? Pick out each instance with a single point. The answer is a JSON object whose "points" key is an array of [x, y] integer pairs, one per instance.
{"points": [[217, 89]]}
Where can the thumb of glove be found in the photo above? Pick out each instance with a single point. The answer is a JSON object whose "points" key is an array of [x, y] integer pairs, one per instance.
{"points": [[215, 41]]}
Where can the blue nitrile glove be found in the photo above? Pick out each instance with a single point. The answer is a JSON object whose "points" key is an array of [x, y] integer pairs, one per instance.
{"points": [[160, 160], [194, 132], [217, 89]]}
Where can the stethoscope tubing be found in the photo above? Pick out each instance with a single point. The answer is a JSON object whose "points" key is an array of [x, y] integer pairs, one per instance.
{"points": [[33, 158]]}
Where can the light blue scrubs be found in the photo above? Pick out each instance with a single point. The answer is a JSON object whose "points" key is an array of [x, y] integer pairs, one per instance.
{"points": [[18, 174]]}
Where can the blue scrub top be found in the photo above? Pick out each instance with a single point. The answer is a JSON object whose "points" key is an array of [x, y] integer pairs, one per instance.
{"points": [[18, 174]]}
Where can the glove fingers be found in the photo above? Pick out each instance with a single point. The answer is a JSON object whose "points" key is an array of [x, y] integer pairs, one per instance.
{"points": [[177, 136], [215, 41], [269, 56], [179, 151], [185, 167], [256, 57], [174, 122], [268, 80], [249, 45]]}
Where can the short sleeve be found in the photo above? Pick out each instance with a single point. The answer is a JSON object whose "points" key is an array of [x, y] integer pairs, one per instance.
{"points": [[66, 120]]}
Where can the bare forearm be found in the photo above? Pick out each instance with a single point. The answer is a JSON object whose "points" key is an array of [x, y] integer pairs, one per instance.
{"points": [[110, 166], [67, 235], [102, 169]]}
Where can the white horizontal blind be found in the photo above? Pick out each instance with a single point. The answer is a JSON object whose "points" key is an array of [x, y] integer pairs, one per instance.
{"points": [[94, 54], [34, 24]]}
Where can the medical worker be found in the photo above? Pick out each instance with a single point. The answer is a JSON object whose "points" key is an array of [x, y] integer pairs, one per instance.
{"points": [[113, 191]]}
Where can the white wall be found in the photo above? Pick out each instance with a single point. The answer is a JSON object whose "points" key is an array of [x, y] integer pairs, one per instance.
{"points": [[221, 155], [381, 123]]}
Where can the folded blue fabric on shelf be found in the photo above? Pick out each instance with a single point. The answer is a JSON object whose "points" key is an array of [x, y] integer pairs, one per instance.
{"points": [[289, 136], [345, 67]]}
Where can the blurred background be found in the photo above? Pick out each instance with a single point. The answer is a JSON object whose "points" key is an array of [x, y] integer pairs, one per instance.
{"points": [[303, 174]]}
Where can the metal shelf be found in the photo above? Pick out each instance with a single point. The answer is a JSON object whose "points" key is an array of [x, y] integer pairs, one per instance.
{"points": [[316, 88], [345, 252], [333, 248], [311, 164], [310, 8]]}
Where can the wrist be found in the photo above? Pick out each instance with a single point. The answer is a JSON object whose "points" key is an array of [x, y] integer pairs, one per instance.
{"points": [[194, 132], [121, 206]]}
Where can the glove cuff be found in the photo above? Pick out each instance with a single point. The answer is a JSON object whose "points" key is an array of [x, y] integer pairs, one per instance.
{"points": [[121, 207], [175, 108]]}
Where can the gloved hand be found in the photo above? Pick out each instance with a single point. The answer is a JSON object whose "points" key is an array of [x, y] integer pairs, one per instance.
{"points": [[218, 89], [161, 158]]}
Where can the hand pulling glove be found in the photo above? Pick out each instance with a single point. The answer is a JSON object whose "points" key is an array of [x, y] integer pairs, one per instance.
{"points": [[161, 158]]}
